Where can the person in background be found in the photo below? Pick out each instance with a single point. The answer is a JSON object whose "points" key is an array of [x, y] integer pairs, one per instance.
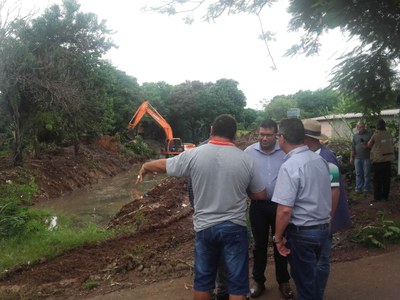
{"points": [[268, 158], [381, 144], [223, 176], [360, 157], [340, 210], [304, 197]]}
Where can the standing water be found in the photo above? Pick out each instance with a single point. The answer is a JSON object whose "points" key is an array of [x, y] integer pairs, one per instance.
{"points": [[98, 203]]}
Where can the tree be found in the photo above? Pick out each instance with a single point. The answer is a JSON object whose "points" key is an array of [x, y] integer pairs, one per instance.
{"points": [[121, 94], [369, 80], [250, 119], [187, 112], [278, 107], [375, 23], [316, 103], [51, 64]]}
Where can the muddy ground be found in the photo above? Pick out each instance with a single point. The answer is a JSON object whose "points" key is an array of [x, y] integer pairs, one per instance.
{"points": [[158, 239]]}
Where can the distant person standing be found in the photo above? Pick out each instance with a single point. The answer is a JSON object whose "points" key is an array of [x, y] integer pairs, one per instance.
{"points": [[268, 157], [360, 157], [303, 194], [381, 144], [340, 211]]}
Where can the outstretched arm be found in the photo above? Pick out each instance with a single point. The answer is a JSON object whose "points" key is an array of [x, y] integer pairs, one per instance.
{"points": [[153, 167]]}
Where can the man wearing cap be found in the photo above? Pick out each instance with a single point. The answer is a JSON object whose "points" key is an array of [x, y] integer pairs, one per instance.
{"points": [[340, 210], [268, 157], [304, 198]]}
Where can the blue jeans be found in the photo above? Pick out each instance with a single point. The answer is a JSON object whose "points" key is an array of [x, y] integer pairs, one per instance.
{"points": [[306, 246], [363, 173], [227, 242], [323, 266]]}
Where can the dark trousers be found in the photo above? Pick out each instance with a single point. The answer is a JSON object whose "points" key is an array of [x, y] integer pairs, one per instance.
{"points": [[262, 219], [382, 172]]}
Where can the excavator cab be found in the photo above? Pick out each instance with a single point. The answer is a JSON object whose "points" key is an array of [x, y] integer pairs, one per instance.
{"points": [[174, 147]]}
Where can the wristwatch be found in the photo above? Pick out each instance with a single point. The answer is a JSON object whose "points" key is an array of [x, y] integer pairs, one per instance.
{"points": [[276, 241]]}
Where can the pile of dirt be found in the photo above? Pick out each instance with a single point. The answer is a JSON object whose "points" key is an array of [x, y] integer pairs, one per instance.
{"points": [[157, 239], [166, 203]]}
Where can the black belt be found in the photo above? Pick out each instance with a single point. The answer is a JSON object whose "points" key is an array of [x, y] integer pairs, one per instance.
{"points": [[262, 201], [312, 227]]}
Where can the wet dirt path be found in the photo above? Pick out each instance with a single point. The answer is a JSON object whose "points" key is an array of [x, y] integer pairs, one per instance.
{"points": [[98, 203]]}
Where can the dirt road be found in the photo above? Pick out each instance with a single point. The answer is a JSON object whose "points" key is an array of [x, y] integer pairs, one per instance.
{"points": [[373, 278]]}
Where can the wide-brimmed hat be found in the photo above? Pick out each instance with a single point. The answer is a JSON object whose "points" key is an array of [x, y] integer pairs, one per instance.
{"points": [[312, 129]]}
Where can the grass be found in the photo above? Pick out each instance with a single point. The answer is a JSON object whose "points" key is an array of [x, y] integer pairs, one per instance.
{"points": [[31, 247], [25, 232]]}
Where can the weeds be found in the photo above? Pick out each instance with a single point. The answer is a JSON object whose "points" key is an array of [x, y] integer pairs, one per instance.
{"points": [[25, 233], [378, 235], [138, 146], [15, 218], [90, 284]]}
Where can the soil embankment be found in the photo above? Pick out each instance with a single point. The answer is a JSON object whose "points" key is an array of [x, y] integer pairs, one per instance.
{"points": [[158, 244]]}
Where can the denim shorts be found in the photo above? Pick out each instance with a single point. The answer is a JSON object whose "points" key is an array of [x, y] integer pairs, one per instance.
{"points": [[226, 241]]}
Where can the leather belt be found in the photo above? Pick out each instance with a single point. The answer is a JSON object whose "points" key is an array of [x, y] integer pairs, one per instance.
{"points": [[311, 227]]}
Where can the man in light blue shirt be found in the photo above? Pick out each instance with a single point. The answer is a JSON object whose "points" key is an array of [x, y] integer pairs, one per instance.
{"points": [[268, 158]]}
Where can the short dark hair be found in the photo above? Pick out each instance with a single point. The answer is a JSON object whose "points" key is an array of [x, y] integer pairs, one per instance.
{"points": [[268, 123], [224, 126], [381, 124], [293, 130]]}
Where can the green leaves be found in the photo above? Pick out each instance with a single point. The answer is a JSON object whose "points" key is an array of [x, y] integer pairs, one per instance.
{"points": [[384, 232]]}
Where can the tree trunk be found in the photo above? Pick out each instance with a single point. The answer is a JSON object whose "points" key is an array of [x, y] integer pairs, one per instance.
{"points": [[13, 103], [76, 138]]}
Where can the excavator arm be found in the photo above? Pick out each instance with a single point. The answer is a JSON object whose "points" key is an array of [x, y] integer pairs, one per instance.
{"points": [[144, 108], [173, 146]]}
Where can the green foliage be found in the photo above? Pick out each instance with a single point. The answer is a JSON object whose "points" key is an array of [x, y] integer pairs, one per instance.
{"points": [[51, 65], [278, 107], [316, 103], [368, 80], [138, 146], [46, 243], [342, 148], [249, 119], [379, 234], [90, 284], [15, 218]]}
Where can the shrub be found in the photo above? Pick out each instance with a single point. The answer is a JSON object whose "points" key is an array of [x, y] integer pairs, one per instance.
{"points": [[15, 217], [378, 235]]}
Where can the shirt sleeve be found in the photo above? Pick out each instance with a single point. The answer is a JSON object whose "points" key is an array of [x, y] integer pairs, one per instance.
{"points": [[334, 175], [179, 165]]}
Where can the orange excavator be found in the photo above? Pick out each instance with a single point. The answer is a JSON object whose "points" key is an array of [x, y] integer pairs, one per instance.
{"points": [[173, 146]]}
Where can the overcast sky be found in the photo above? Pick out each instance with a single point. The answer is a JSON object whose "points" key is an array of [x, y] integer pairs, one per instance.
{"points": [[154, 47]]}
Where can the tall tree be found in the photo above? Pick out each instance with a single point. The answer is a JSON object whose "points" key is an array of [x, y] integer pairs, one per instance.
{"points": [[51, 64]]}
